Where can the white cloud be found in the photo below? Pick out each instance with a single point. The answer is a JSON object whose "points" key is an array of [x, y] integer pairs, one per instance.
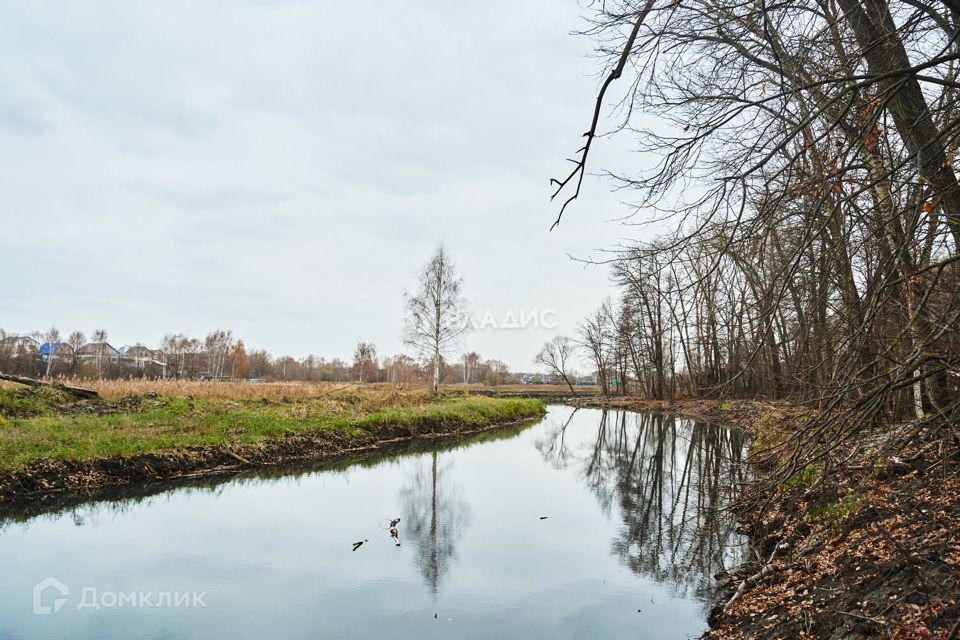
{"points": [[283, 169]]}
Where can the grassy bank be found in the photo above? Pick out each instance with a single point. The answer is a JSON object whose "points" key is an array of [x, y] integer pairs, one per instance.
{"points": [[40, 428]]}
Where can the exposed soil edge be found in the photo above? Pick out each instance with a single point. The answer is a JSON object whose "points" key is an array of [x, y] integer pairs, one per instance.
{"points": [[745, 414], [884, 564], [50, 478]]}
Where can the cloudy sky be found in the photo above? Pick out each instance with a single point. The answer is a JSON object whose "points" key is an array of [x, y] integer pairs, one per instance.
{"points": [[282, 169]]}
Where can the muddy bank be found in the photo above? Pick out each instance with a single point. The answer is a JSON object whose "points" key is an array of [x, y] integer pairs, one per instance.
{"points": [[865, 547], [546, 395], [746, 414], [48, 480]]}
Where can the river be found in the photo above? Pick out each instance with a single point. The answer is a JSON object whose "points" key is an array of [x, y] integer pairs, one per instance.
{"points": [[587, 524]]}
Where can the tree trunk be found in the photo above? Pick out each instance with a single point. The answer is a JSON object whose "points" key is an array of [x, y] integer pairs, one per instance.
{"points": [[885, 54], [30, 382]]}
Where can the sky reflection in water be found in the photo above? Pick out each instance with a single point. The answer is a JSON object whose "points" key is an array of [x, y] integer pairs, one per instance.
{"points": [[634, 531]]}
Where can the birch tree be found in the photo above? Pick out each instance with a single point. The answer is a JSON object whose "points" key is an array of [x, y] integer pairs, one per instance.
{"points": [[52, 338], [471, 363], [434, 313], [365, 361]]}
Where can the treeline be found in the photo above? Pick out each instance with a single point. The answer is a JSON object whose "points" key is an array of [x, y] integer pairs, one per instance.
{"points": [[222, 356], [807, 154]]}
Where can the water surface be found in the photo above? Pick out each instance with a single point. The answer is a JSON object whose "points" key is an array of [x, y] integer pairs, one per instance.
{"points": [[588, 524]]}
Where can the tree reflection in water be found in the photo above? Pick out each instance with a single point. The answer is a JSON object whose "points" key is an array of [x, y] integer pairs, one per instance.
{"points": [[671, 481], [434, 516]]}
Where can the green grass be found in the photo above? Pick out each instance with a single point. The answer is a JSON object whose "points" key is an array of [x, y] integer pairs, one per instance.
{"points": [[29, 403], [832, 510], [804, 478], [36, 425]]}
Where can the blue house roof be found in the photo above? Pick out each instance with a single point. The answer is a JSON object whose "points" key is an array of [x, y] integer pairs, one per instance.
{"points": [[47, 348]]}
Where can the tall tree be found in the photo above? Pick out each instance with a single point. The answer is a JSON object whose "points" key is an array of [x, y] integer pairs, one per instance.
{"points": [[238, 360], [434, 322], [816, 256], [75, 340], [218, 345], [471, 365], [596, 337], [100, 344], [52, 340]]}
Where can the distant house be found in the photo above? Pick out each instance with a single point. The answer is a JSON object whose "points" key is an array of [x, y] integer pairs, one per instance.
{"points": [[19, 345], [55, 349], [98, 351], [142, 356], [136, 352]]}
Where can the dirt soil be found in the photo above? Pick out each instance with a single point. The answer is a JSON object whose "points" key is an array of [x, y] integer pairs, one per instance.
{"points": [[872, 550]]}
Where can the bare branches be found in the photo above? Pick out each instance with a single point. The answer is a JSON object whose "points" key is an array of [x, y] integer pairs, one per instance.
{"points": [[581, 163], [434, 323], [556, 355], [806, 153]]}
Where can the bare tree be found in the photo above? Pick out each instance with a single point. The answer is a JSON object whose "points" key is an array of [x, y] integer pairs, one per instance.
{"points": [[259, 364], [434, 313], [816, 256], [556, 355], [401, 369], [52, 340], [496, 372], [471, 365], [365, 360], [238, 360], [100, 342], [76, 340], [596, 337], [218, 345]]}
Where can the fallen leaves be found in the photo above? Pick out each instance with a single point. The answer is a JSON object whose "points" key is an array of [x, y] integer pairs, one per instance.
{"points": [[889, 567]]}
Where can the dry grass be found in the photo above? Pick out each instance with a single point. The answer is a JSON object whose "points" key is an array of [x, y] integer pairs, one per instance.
{"points": [[274, 391], [383, 394]]}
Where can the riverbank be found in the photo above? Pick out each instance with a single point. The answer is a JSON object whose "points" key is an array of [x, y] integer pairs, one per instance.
{"points": [[51, 443], [865, 546], [746, 414]]}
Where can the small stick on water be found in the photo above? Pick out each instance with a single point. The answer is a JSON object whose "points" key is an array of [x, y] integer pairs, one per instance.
{"points": [[544, 517]]}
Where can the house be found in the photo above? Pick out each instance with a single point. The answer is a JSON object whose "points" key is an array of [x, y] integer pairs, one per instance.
{"points": [[19, 345], [98, 352], [136, 352], [60, 350], [141, 357], [142, 354]]}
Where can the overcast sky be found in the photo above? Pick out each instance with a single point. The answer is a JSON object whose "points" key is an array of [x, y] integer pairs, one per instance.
{"points": [[283, 169]]}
